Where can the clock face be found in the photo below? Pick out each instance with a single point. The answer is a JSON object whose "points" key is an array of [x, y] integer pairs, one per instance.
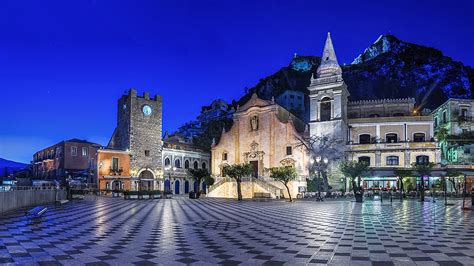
{"points": [[147, 110]]}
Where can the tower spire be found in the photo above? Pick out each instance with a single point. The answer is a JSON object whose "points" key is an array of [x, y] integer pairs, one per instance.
{"points": [[329, 65]]}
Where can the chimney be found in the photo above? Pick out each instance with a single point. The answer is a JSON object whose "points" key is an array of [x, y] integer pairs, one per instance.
{"points": [[146, 95]]}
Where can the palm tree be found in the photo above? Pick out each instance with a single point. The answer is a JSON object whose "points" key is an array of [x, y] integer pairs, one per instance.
{"points": [[237, 172], [284, 174]]}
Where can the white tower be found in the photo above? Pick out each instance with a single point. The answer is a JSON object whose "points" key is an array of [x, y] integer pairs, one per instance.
{"points": [[328, 98]]}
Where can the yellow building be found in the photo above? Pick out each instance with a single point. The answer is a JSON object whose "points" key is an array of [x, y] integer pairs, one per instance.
{"points": [[388, 143], [265, 135]]}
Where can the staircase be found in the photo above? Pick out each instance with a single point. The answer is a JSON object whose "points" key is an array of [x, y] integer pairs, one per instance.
{"points": [[273, 190]]}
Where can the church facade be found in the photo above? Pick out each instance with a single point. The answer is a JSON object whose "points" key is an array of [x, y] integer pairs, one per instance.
{"points": [[265, 135]]}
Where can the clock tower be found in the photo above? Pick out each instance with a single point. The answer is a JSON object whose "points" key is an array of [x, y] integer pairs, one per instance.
{"points": [[139, 131]]}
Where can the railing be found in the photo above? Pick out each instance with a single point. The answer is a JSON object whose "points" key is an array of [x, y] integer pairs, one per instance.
{"points": [[260, 181], [218, 183], [15, 188]]}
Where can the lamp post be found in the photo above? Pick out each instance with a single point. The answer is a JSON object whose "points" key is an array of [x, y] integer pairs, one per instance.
{"points": [[320, 164]]}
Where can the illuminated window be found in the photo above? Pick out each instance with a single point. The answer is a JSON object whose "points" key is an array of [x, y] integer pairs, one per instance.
{"points": [[422, 160], [85, 151], [392, 160], [115, 164]]}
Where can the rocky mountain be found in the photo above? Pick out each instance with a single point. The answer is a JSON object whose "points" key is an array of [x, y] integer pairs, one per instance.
{"points": [[10, 166], [389, 68]]}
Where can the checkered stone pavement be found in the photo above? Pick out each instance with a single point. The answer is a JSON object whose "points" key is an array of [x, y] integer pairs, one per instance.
{"points": [[111, 231]]}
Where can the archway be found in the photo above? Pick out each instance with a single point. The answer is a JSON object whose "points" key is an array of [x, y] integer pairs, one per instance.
{"points": [[186, 186], [196, 186], [146, 178], [325, 109], [167, 185], [176, 186]]}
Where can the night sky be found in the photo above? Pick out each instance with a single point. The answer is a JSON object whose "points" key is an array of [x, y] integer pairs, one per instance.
{"points": [[64, 64]]}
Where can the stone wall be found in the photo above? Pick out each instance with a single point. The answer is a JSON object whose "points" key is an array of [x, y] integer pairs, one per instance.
{"points": [[12, 200]]}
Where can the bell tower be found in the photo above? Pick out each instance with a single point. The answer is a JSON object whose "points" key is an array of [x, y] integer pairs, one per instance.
{"points": [[328, 97]]}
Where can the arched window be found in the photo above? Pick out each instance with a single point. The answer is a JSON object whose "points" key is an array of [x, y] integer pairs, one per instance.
{"points": [[196, 165], [419, 137], [365, 159], [364, 139], [325, 109], [177, 163], [392, 160], [422, 160], [167, 162], [391, 137], [203, 166], [186, 164]]}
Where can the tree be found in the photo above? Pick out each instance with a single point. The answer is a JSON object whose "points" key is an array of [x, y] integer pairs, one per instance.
{"points": [[354, 170], [423, 169], [325, 147], [198, 175], [209, 180], [402, 174], [237, 172], [284, 174]]}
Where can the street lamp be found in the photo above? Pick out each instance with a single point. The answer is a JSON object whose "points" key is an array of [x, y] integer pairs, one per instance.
{"points": [[320, 163]]}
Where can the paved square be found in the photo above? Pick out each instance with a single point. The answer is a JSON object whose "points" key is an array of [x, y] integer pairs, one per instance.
{"points": [[101, 231]]}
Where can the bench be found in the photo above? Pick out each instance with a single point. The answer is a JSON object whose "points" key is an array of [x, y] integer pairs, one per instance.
{"points": [[262, 195], [36, 212], [62, 202]]}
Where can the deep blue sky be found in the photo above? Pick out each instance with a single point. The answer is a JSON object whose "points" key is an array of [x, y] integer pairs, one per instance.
{"points": [[63, 64]]}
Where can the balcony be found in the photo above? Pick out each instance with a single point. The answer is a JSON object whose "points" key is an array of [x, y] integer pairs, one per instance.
{"points": [[431, 144], [115, 171]]}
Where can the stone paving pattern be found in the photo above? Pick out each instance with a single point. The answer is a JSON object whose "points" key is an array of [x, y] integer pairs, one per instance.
{"points": [[100, 231]]}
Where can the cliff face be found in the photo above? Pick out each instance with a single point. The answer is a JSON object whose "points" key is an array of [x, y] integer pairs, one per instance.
{"points": [[389, 68]]}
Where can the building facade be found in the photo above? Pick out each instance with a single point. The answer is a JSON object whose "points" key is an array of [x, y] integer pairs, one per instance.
{"points": [[72, 158], [293, 101], [455, 119], [265, 135], [113, 170], [179, 155]]}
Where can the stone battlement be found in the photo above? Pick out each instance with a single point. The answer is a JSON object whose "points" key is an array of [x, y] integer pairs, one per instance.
{"points": [[382, 101]]}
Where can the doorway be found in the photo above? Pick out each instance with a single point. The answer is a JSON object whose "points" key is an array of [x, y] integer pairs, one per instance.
{"points": [[255, 168]]}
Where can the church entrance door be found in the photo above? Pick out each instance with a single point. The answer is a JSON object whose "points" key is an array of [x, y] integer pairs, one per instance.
{"points": [[255, 168]]}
